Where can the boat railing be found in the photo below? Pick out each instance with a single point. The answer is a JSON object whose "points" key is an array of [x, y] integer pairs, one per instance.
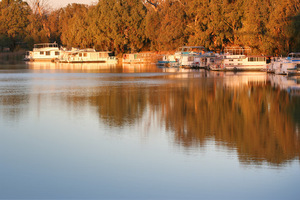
{"points": [[237, 50], [45, 45]]}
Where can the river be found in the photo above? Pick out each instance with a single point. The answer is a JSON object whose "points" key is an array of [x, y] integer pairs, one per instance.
{"points": [[94, 131]]}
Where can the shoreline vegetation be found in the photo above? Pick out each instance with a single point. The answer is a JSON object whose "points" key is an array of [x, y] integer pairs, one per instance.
{"points": [[11, 57], [125, 26]]}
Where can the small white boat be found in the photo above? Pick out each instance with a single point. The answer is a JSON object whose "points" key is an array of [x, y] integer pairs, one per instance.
{"points": [[87, 56], [169, 61], [286, 65], [43, 52], [190, 56]]}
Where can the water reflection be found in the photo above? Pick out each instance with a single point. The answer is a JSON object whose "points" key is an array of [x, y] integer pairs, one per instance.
{"points": [[14, 96], [74, 67], [241, 112], [246, 112]]}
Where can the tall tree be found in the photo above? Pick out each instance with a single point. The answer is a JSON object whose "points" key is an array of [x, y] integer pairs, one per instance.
{"points": [[73, 25], [14, 20], [282, 25], [119, 25], [166, 26], [40, 11]]}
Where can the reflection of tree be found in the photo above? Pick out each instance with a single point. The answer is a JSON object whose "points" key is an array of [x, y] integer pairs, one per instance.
{"points": [[120, 105], [13, 104], [256, 119]]}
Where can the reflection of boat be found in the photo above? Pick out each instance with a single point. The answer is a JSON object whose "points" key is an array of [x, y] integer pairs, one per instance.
{"points": [[42, 65], [237, 59], [101, 67], [43, 52], [286, 66], [87, 56], [234, 80], [289, 84], [139, 68]]}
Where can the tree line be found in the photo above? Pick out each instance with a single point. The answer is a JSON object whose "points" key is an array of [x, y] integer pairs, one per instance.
{"points": [[269, 27]]}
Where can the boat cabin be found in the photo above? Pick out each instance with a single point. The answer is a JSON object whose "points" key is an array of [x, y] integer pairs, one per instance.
{"points": [[43, 52]]}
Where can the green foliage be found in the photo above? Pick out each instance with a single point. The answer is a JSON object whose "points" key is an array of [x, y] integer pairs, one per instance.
{"points": [[73, 26], [14, 19], [166, 28], [268, 27], [119, 25]]}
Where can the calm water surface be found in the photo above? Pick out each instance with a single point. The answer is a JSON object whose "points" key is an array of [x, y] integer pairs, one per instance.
{"points": [[140, 132]]}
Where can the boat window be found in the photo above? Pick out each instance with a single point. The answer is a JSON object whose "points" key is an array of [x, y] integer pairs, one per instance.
{"points": [[252, 59], [103, 55], [85, 54], [57, 53], [80, 54], [261, 59], [41, 53], [47, 53], [190, 58], [231, 60]]}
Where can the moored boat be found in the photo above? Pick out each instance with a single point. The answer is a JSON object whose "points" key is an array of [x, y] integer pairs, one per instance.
{"points": [[43, 52], [189, 57], [87, 56], [286, 65], [238, 59], [140, 58]]}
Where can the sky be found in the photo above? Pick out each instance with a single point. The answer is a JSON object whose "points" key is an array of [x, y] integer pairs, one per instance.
{"points": [[62, 3]]}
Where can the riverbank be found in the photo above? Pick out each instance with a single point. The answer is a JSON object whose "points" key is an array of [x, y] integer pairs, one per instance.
{"points": [[11, 57]]}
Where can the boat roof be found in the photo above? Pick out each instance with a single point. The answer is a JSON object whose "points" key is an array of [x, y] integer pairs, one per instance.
{"points": [[237, 50], [193, 47], [44, 45], [294, 55]]}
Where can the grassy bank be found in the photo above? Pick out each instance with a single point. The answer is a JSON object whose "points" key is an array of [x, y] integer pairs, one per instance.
{"points": [[11, 57]]}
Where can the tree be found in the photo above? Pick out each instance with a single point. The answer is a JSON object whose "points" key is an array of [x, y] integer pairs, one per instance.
{"points": [[211, 27], [73, 26], [282, 25], [14, 20], [119, 25], [166, 26]]}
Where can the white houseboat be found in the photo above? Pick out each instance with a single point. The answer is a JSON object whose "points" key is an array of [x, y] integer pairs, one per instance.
{"points": [[238, 59], [189, 57], [87, 56], [140, 58], [43, 52]]}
